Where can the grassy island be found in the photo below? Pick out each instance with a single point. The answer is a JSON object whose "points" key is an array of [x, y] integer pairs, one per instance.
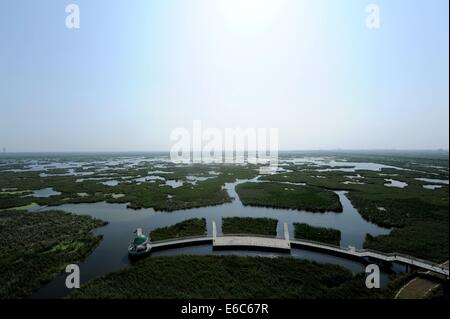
{"points": [[244, 225], [35, 247], [190, 277], [281, 195], [320, 234], [187, 228]]}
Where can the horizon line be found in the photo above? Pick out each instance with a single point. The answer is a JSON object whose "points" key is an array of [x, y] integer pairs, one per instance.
{"points": [[284, 151]]}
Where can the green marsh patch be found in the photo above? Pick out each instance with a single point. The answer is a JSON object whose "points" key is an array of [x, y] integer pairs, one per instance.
{"points": [[279, 195], [246, 225], [187, 228], [35, 247], [229, 277], [319, 234]]}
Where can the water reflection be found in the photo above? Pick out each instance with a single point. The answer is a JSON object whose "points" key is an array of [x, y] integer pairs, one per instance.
{"points": [[111, 254]]}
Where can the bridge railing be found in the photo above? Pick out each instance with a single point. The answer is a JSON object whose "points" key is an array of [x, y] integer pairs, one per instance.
{"points": [[319, 244], [375, 252], [250, 235], [315, 243], [401, 255], [163, 241]]}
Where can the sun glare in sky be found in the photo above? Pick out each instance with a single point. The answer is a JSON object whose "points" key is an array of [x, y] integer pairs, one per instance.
{"points": [[250, 15], [312, 68]]}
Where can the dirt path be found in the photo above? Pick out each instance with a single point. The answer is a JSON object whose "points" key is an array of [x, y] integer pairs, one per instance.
{"points": [[420, 286]]}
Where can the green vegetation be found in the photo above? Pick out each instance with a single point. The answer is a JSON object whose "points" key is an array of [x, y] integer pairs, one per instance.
{"points": [[320, 234], [187, 228], [35, 247], [232, 277], [244, 225], [333, 180], [26, 207], [166, 198], [288, 196], [420, 287], [423, 161], [149, 194], [440, 293], [426, 240], [418, 216]]}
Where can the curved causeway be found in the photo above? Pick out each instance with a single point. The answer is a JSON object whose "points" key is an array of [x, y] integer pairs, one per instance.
{"points": [[277, 244]]}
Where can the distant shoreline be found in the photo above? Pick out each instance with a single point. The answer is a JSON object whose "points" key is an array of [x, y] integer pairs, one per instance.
{"points": [[434, 154]]}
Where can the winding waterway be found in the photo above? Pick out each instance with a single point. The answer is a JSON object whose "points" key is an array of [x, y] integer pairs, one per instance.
{"points": [[111, 254]]}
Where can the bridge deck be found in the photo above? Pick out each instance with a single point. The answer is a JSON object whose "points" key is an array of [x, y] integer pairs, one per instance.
{"points": [[423, 264], [247, 241], [188, 241]]}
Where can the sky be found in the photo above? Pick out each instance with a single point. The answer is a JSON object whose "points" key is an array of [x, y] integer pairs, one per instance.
{"points": [[136, 70]]}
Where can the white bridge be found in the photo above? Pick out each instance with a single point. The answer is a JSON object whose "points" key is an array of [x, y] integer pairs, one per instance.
{"points": [[285, 244], [249, 241]]}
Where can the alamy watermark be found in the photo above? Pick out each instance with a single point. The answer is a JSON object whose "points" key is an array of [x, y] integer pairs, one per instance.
{"points": [[73, 17], [373, 276], [230, 145], [373, 20], [73, 279]]}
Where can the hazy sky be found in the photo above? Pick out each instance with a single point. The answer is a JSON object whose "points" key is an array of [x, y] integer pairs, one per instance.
{"points": [[135, 70]]}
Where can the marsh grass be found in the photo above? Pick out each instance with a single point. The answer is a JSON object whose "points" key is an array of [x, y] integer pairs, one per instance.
{"points": [[246, 225], [187, 228], [319, 234], [35, 247], [279, 195], [231, 277]]}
